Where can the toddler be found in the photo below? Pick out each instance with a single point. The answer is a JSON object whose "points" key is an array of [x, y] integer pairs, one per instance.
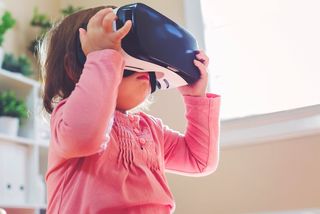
{"points": [[102, 158]]}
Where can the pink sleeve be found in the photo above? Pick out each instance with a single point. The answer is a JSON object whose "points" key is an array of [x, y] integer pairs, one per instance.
{"points": [[196, 152], [79, 123]]}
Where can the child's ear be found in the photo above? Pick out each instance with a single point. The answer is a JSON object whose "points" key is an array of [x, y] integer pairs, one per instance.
{"points": [[68, 68]]}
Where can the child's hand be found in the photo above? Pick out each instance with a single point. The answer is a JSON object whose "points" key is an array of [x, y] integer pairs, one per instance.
{"points": [[100, 34], [198, 88]]}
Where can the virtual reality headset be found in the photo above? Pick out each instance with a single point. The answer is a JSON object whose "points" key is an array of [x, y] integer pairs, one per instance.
{"points": [[157, 45]]}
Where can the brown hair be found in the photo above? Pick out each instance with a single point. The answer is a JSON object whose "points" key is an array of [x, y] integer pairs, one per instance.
{"points": [[58, 57]]}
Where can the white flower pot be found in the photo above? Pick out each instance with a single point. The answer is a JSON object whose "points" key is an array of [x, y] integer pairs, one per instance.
{"points": [[9, 125]]}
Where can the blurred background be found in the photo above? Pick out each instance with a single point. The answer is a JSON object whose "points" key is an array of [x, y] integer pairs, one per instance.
{"points": [[264, 62]]}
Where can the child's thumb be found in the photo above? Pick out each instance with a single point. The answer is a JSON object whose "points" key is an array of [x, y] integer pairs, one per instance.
{"points": [[82, 36]]}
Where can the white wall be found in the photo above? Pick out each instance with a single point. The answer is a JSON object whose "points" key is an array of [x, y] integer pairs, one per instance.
{"points": [[282, 175]]}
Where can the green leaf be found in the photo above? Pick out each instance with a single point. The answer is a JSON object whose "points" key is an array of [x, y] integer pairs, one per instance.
{"points": [[7, 22], [70, 10], [40, 20], [11, 106], [22, 64]]}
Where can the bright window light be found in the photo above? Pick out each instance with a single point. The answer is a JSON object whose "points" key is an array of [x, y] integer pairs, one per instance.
{"points": [[265, 54]]}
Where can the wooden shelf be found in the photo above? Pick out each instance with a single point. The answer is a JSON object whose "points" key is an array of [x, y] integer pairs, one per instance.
{"points": [[43, 143], [23, 206], [16, 77], [23, 157], [19, 140]]}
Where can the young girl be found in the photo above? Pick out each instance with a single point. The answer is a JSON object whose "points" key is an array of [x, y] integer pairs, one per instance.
{"points": [[102, 158]]}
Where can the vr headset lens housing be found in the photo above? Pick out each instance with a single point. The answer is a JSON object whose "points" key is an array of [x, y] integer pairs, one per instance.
{"points": [[157, 45]]}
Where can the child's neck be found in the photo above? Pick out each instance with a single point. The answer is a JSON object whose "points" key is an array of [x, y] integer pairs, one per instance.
{"points": [[122, 111]]}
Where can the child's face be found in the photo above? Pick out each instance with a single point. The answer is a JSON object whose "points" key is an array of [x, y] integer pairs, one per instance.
{"points": [[133, 90]]}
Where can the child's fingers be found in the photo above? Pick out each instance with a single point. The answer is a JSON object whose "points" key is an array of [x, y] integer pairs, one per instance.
{"points": [[201, 66], [203, 59], [99, 16], [122, 32], [107, 22], [82, 34], [83, 38], [201, 56]]}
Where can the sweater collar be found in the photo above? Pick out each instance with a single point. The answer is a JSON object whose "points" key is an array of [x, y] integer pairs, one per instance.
{"points": [[126, 118]]}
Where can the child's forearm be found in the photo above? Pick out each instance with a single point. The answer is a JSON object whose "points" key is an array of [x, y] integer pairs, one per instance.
{"points": [[79, 123], [196, 152]]}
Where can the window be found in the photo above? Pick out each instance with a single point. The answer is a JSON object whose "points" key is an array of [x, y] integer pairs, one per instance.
{"points": [[265, 59], [265, 54]]}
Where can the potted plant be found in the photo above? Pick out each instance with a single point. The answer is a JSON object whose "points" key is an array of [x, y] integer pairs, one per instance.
{"points": [[44, 23], [21, 64], [70, 10], [12, 110], [6, 23]]}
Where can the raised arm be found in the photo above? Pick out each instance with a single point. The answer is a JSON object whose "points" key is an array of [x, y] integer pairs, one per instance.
{"points": [[79, 122], [196, 152]]}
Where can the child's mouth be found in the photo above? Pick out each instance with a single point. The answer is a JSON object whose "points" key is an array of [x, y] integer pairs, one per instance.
{"points": [[143, 77]]}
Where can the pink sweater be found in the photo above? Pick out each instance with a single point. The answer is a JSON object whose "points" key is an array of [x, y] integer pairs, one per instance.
{"points": [[93, 170]]}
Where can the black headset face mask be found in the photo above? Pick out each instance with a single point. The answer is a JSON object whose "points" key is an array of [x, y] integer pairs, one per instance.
{"points": [[127, 73]]}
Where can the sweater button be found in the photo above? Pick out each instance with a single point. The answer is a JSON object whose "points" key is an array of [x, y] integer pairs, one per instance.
{"points": [[131, 117], [137, 131], [142, 141]]}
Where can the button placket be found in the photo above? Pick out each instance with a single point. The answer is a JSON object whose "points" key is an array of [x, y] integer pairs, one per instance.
{"points": [[135, 122], [131, 118], [142, 142], [136, 130]]}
